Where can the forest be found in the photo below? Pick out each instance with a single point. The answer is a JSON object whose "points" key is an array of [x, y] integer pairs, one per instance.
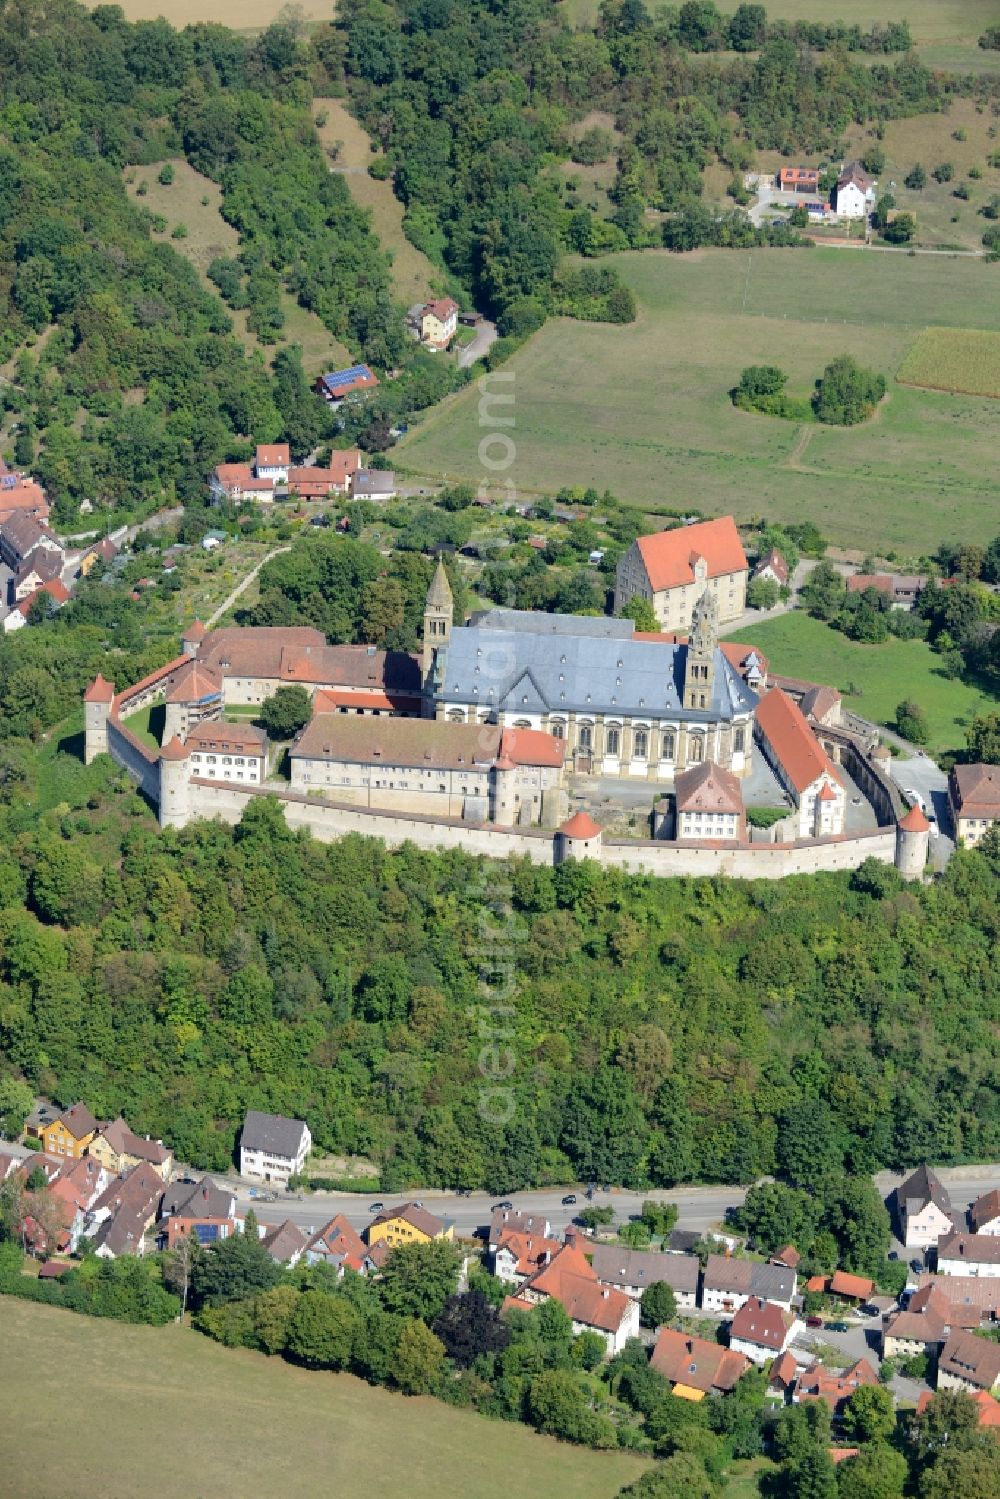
{"points": [[661, 1031]]}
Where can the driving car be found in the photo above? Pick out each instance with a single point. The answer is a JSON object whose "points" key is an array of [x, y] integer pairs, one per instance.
{"points": [[504, 1206], [838, 1326], [375, 1207], [569, 1201]]}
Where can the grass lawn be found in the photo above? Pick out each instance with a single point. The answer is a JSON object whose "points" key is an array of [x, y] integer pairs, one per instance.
{"points": [[147, 725], [235, 1423], [798, 646], [209, 236], [414, 278], [239, 15], [644, 410]]}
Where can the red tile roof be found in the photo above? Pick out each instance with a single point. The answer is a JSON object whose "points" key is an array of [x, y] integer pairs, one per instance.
{"points": [[860, 582], [343, 463], [914, 821], [532, 747], [857, 1287], [244, 738], [669, 556], [684, 1359], [762, 1323], [793, 742], [174, 750], [54, 588], [819, 1383], [99, 691], [580, 826], [977, 790], [985, 1209], [570, 1279], [197, 631], [986, 1405], [708, 788], [273, 455]]}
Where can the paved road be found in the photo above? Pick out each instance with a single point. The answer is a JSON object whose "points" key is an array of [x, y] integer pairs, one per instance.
{"points": [[486, 335], [242, 587], [919, 773], [701, 1208]]}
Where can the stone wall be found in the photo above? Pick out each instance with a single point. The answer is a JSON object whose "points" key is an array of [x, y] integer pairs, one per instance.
{"points": [[132, 755], [328, 821], [149, 690]]}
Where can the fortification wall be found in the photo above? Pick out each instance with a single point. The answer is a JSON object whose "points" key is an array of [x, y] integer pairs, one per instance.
{"points": [[133, 756], [149, 690], [328, 821]]}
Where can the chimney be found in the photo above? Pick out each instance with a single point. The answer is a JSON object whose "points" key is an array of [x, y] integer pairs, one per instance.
{"points": [[571, 1237]]}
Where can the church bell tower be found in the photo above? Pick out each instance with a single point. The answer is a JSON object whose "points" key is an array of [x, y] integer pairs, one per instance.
{"points": [[699, 669], [439, 614]]}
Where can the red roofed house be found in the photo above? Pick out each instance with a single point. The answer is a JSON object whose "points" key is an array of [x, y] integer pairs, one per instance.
{"points": [[519, 1255], [832, 1385], [672, 569], [438, 323], [709, 804], [798, 180], [773, 567], [570, 1279], [762, 1330], [984, 1214], [273, 461], [237, 481], [974, 793], [55, 592], [696, 1368], [20, 495], [801, 765], [339, 1245], [988, 1409]]}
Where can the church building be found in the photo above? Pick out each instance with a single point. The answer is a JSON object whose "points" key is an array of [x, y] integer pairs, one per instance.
{"points": [[624, 704]]}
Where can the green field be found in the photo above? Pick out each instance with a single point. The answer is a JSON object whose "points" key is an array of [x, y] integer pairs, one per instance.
{"points": [[962, 359], [798, 646], [644, 410], [164, 1410]]}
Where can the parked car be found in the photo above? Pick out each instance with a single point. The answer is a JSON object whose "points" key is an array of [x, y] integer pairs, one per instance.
{"points": [[375, 1207], [814, 1321], [932, 820], [569, 1201], [505, 1206], [838, 1326], [893, 1255], [917, 1266]]}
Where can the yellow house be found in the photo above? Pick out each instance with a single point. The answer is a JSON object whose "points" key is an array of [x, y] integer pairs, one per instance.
{"points": [[119, 1149], [70, 1134], [438, 323], [409, 1224]]}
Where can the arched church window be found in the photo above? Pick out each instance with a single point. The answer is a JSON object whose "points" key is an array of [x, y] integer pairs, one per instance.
{"points": [[614, 742], [641, 744]]}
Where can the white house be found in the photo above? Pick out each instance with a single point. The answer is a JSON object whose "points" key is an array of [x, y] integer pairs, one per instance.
{"points": [[762, 1331], [273, 461], [633, 1270], [969, 1254], [924, 1210], [570, 1279], [220, 751], [984, 1214], [802, 766], [273, 1148], [709, 804], [855, 192], [729, 1284], [968, 1363]]}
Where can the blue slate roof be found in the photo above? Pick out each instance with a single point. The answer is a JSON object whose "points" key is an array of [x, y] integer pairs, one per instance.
{"points": [[533, 663]]}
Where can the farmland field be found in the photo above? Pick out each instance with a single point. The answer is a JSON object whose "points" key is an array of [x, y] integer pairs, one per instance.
{"points": [[963, 359], [799, 646], [240, 15], [183, 1416], [644, 410]]}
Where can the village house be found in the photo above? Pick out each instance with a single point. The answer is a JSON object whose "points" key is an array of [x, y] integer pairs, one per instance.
{"points": [[104, 551], [798, 180], [632, 1271], [284, 1242], [199, 1208], [337, 385], [55, 595], [903, 588], [408, 1224], [570, 1279], [848, 1287], [729, 1283], [376, 484], [20, 495], [855, 196], [437, 323], [120, 1219], [974, 794], [835, 1386], [273, 1148], [709, 805], [70, 1133], [621, 705], [272, 461], [695, 1368], [972, 1299], [509, 1220], [338, 1245], [517, 1256], [773, 568], [673, 569], [970, 1363], [801, 766], [33, 552], [781, 1379], [119, 1149], [923, 1209], [969, 1254], [762, 1331], [984, 1214], [916, 1330]]}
